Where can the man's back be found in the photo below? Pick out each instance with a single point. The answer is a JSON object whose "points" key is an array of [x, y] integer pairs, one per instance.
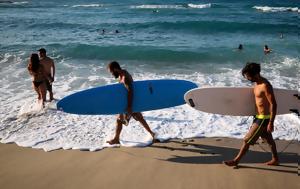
{"points": [[126, 78], [48, 64]]}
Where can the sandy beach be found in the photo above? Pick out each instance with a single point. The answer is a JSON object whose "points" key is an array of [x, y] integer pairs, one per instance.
{"points": [[189, 163]]}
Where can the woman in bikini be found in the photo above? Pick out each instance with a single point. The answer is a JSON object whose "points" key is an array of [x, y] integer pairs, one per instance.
{"points": [[39, 77]]}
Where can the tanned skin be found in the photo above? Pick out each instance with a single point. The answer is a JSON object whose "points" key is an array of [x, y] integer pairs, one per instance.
{"points": [[265, 104], [126, 79]]}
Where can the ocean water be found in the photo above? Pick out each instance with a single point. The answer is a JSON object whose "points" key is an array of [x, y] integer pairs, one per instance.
{"points": [[194, 40]]}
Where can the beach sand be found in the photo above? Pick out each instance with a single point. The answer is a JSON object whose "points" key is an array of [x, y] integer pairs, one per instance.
{"points": [[189, 163]]}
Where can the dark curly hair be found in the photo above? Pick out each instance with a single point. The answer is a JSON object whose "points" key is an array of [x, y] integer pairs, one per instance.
{"points": [[251, 69], [113, 65], [34, 62]]}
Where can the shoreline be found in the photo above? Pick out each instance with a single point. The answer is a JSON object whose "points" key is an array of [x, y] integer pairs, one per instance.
{"points": [[185, 163]]}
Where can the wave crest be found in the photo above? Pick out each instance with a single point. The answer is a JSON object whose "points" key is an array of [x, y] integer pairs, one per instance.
{"points": [[189, 5], [199, 6], [157, 7], [276, 9], [88, 5]]}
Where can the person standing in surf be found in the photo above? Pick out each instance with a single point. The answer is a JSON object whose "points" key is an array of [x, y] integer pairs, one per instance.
{"points": [[39, 77], [49, 66], [123, 119], [263, 123]]}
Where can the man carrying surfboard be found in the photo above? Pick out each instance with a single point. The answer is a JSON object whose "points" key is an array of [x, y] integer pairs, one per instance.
{"points": [[49, 66], [123, 119], [263, 124]]}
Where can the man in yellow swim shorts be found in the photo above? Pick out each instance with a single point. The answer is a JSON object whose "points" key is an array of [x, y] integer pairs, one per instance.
{"points": [[263, 124]]}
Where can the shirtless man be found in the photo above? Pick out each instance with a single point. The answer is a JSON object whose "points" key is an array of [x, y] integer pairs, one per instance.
{"points": [[49, 68], [123, 119], [263, 124]]}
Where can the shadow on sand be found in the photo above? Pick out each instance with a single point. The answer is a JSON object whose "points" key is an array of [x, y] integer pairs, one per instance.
{"points": [[216, 155]]}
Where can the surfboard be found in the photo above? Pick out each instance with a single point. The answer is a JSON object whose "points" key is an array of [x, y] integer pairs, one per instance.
{"points": [[237, 101], [112, 99]]}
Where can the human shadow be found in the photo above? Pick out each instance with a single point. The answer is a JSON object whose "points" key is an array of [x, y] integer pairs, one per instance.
{"points": [[216, 155]]}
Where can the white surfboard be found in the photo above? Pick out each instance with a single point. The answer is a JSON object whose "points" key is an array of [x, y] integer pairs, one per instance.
{"points": [[237, 101]]}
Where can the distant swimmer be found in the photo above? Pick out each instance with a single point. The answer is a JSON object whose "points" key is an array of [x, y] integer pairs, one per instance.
{"points": [[102, 32], [240, 47], [281, 36], [117, 31], [155, 11], [123, 119], [263, 123], [49, 66], [267, 50], [39, 77]]}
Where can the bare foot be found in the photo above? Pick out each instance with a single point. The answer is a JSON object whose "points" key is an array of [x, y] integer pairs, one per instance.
{"points": [[126, 121], [113, 141], [273, 162], [154, 139], [230, 163]]}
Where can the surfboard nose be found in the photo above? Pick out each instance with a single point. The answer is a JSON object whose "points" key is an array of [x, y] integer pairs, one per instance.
{"points": [[58, 107]]}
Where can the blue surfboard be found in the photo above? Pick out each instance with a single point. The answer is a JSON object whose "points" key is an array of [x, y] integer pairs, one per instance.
{"points": [[112, 99]]}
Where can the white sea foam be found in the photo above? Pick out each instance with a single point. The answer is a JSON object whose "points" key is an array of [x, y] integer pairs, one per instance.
{"points": [[157, 7], [88, 5], [190, 5], [22, 122], [199, 6], [30, 108], [276, 9], [20, 3]]}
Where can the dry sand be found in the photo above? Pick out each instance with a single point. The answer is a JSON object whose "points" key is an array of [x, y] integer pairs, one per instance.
{"points": [[186, 164]]}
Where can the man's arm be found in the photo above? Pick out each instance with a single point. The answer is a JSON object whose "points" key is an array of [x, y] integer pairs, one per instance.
{"points": [[129, 87], [273, 105], [29, 70], [53, 67]]}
